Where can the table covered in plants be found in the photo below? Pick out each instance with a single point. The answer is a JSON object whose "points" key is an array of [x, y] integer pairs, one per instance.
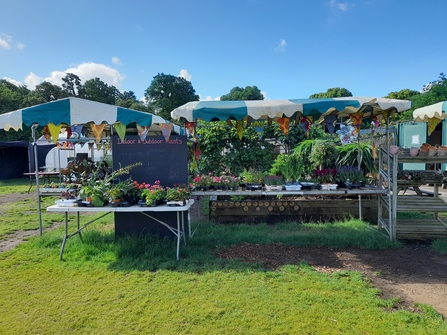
{"points": [[179, 230]]}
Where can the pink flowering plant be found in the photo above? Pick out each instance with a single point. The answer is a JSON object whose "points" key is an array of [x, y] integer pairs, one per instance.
{"points": [[154, 192]]}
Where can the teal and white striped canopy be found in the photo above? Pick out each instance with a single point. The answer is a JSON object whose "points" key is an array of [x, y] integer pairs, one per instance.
{"points": [[261, 109], [75, 111]]}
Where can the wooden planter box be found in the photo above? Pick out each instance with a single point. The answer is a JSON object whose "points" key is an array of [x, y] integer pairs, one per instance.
{"points": [[275, 210]]}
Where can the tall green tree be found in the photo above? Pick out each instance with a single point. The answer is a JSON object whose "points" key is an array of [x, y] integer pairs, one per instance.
{"points": [[167, 92], [10, 97], [335, 92], [46, 92], [128, 99], [97, 90], [247, 93], [405, 94], [72, 86]]}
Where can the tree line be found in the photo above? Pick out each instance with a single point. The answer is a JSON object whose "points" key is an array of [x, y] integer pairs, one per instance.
{"points": [[167, 92]]}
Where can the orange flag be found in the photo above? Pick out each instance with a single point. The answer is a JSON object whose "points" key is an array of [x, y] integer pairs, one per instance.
{"points": [[97, 130], [284, 124]]}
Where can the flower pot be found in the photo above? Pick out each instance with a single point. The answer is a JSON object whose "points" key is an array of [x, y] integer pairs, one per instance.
{"points": [[176, 203], [394, 149], [414, 151]]}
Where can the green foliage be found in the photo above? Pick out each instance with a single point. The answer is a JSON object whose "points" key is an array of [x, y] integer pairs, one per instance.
{"points": [[349, 155], [323, 154], [252, 176], [247, 93], [224, 153], [334, 92], [97, 90], [167, 92]]}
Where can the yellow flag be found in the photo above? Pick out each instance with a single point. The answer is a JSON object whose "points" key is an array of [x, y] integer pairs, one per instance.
{"points": [[54, 131]]}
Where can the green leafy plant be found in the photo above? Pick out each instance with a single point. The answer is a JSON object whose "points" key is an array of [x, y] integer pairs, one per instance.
{"points": [[349, 155], [178, 193], [350, 174], [273, 180], [252, 176], [323, 154]]}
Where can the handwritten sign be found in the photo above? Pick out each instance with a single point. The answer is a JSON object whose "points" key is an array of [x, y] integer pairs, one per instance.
{"points": [[162, 160]]}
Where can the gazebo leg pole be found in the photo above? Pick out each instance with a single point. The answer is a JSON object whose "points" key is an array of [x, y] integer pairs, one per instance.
{"points": [[36, 168]]}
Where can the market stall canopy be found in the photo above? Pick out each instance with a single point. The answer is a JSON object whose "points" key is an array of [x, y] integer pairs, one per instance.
{"points": [[74, 111], [432, 114], [437, 110], [274, 109]]}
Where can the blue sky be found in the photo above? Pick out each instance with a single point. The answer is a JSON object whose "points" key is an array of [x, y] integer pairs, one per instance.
{"points": [[287, 48]]}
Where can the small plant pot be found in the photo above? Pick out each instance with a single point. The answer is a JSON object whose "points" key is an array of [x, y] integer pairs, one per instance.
{"points": [[394, 149], [414, 151]]}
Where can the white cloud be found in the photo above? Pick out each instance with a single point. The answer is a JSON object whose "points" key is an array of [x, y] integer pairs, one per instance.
{"points": [[116, 60], [4, 44], [209, 98], [281, 47], [32, 80], [342, 6], [184, 74], [13, 81], [6, 41], [89, 70]]}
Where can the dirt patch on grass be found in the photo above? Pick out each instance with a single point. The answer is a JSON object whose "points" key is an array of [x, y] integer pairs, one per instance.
{"points": [[414, 274]]}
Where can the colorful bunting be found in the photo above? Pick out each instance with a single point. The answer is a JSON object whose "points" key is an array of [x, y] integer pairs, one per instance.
{"points": [[76, 131], [330, 121], [240, 128], [142, 131], [191, 128], [259, 127], [54, 131], [284, 124], [356, 119], [432, 123], [120, 130], [97, 131], [305, 123], [166, 129]]}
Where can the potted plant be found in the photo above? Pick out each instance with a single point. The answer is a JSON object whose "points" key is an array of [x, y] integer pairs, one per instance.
{"points": [[326, 178], [349, 176], [229, 182], [203, 182], [177, 195], [253, 179], [273, 183], [153, 195]]}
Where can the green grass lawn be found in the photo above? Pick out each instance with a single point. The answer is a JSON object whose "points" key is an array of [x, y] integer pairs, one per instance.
{"points": [[135, 285]]}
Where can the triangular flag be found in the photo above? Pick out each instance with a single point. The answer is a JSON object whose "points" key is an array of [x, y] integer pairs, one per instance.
{"points": [[356, 119], [97, 130], [194, 165], [259, 127], [54, 131], [90, 145], [166, 129], [142, 131], [98, 146], [284, 124], [432, 123], [76, 131], [190, 126], [240, 128], [330, 121], [305, 123], [46, 133], [120, 130]]}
